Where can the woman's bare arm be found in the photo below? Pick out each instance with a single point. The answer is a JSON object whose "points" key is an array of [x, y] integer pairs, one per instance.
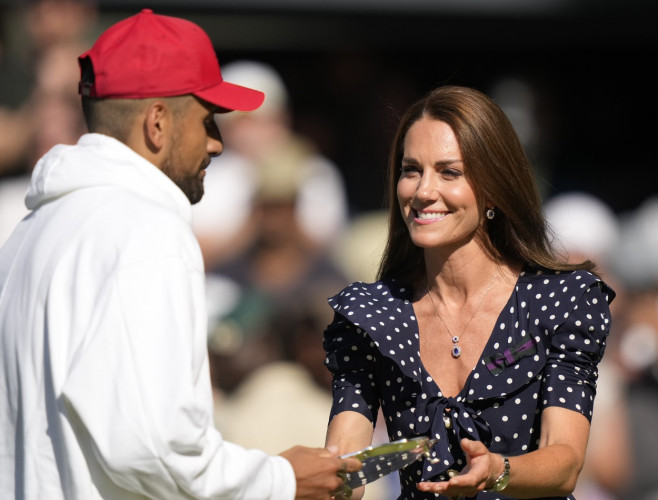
{"points": [[552, 470], [350, 431]]}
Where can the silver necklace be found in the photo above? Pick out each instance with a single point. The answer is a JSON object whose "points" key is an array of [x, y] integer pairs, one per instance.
{"points": [[456, 349]]}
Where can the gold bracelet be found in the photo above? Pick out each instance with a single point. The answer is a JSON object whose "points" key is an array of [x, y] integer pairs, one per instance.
{"points": [[501, 481]]}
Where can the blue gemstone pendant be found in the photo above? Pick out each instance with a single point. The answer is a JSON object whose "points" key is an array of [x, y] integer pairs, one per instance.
{"points": [[456, 350]]}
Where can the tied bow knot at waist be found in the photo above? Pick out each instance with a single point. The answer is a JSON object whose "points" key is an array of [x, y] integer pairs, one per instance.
{"points": [[447, 421]]}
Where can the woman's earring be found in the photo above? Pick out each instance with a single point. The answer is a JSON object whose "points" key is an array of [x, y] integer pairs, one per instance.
{"points": [[491, 213]]}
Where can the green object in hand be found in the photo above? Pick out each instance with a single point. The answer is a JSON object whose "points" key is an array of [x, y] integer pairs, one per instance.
{"points": [[383, 459]]}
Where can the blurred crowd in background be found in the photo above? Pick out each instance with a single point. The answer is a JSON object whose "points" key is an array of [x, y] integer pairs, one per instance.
{"points": [[280, 233]]}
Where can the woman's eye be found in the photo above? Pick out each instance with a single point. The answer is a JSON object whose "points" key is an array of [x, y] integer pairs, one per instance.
{"points": [[451, 173], [408, 169]]}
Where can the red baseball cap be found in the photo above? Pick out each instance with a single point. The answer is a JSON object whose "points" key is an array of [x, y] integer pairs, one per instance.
{"points": [[149, 55]]}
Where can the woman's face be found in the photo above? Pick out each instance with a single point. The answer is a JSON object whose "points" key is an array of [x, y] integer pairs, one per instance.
{"points": [[438, 205]]}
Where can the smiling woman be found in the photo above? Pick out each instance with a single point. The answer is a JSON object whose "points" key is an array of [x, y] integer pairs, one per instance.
{"points": [[495, 166], [437, 202], [477, 335]]}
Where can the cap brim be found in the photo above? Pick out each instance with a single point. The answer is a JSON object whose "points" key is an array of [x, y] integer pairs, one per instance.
{"points": [[232, 97]]}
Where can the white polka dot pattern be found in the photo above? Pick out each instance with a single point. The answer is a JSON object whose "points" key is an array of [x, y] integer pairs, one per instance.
{"points": [[543, 351]]}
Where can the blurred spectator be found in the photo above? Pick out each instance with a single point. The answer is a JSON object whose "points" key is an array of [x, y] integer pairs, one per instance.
{"points": [[264, 163], [636, 263], [277, 272], [14, 139], [271, 209], [15, 82], [584, 226], [53, 22], [291, 387], [42, 59], [358, 250], [281, 395], [274, 209], [12, 204], [39, 37], [528, 107], [51, 115], [54, 104], [636, 258]]}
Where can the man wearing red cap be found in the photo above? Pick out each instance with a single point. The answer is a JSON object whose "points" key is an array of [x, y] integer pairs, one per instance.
{"points": [[105, 388]]}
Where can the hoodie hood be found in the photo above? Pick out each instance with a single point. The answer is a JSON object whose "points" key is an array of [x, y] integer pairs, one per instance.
{"points": [[99, 160]]}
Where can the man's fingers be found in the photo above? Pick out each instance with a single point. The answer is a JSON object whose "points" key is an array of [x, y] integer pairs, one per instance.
{"points": [[351, 465]]}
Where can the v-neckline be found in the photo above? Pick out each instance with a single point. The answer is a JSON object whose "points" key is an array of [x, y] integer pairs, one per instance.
{"points": [[426, 375]]}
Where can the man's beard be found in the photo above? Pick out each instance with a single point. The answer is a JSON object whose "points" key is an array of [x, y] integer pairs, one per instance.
{"points": [[191, 185]]}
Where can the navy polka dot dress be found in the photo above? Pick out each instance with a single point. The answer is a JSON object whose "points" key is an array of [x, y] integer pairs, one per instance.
{"points": [[543, 352]]}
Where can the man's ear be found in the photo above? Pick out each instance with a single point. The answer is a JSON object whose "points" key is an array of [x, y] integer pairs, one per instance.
{"points": [[157, 121]]}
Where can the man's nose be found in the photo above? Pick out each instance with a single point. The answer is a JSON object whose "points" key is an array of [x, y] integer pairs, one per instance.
{"points": [[215, 146]]}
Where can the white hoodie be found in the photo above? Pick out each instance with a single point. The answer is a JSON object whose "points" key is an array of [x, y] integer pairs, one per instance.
{"points": [[104, 379]]}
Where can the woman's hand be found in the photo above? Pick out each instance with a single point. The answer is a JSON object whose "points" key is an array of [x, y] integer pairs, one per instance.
{"points": [[482, 469]]}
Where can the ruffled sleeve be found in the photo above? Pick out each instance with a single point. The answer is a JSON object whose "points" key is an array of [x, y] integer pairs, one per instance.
{"points": [[577, 347], [351, 358]]}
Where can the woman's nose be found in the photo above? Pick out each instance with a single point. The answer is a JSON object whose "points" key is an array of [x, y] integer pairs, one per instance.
{"points": [[427, 188]]}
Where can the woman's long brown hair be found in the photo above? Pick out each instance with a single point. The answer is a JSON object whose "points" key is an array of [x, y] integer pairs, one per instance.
{"points": [[499, 172]]}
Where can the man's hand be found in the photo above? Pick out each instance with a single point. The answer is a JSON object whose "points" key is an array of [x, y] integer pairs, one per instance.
{"points": [[317, 471]]}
